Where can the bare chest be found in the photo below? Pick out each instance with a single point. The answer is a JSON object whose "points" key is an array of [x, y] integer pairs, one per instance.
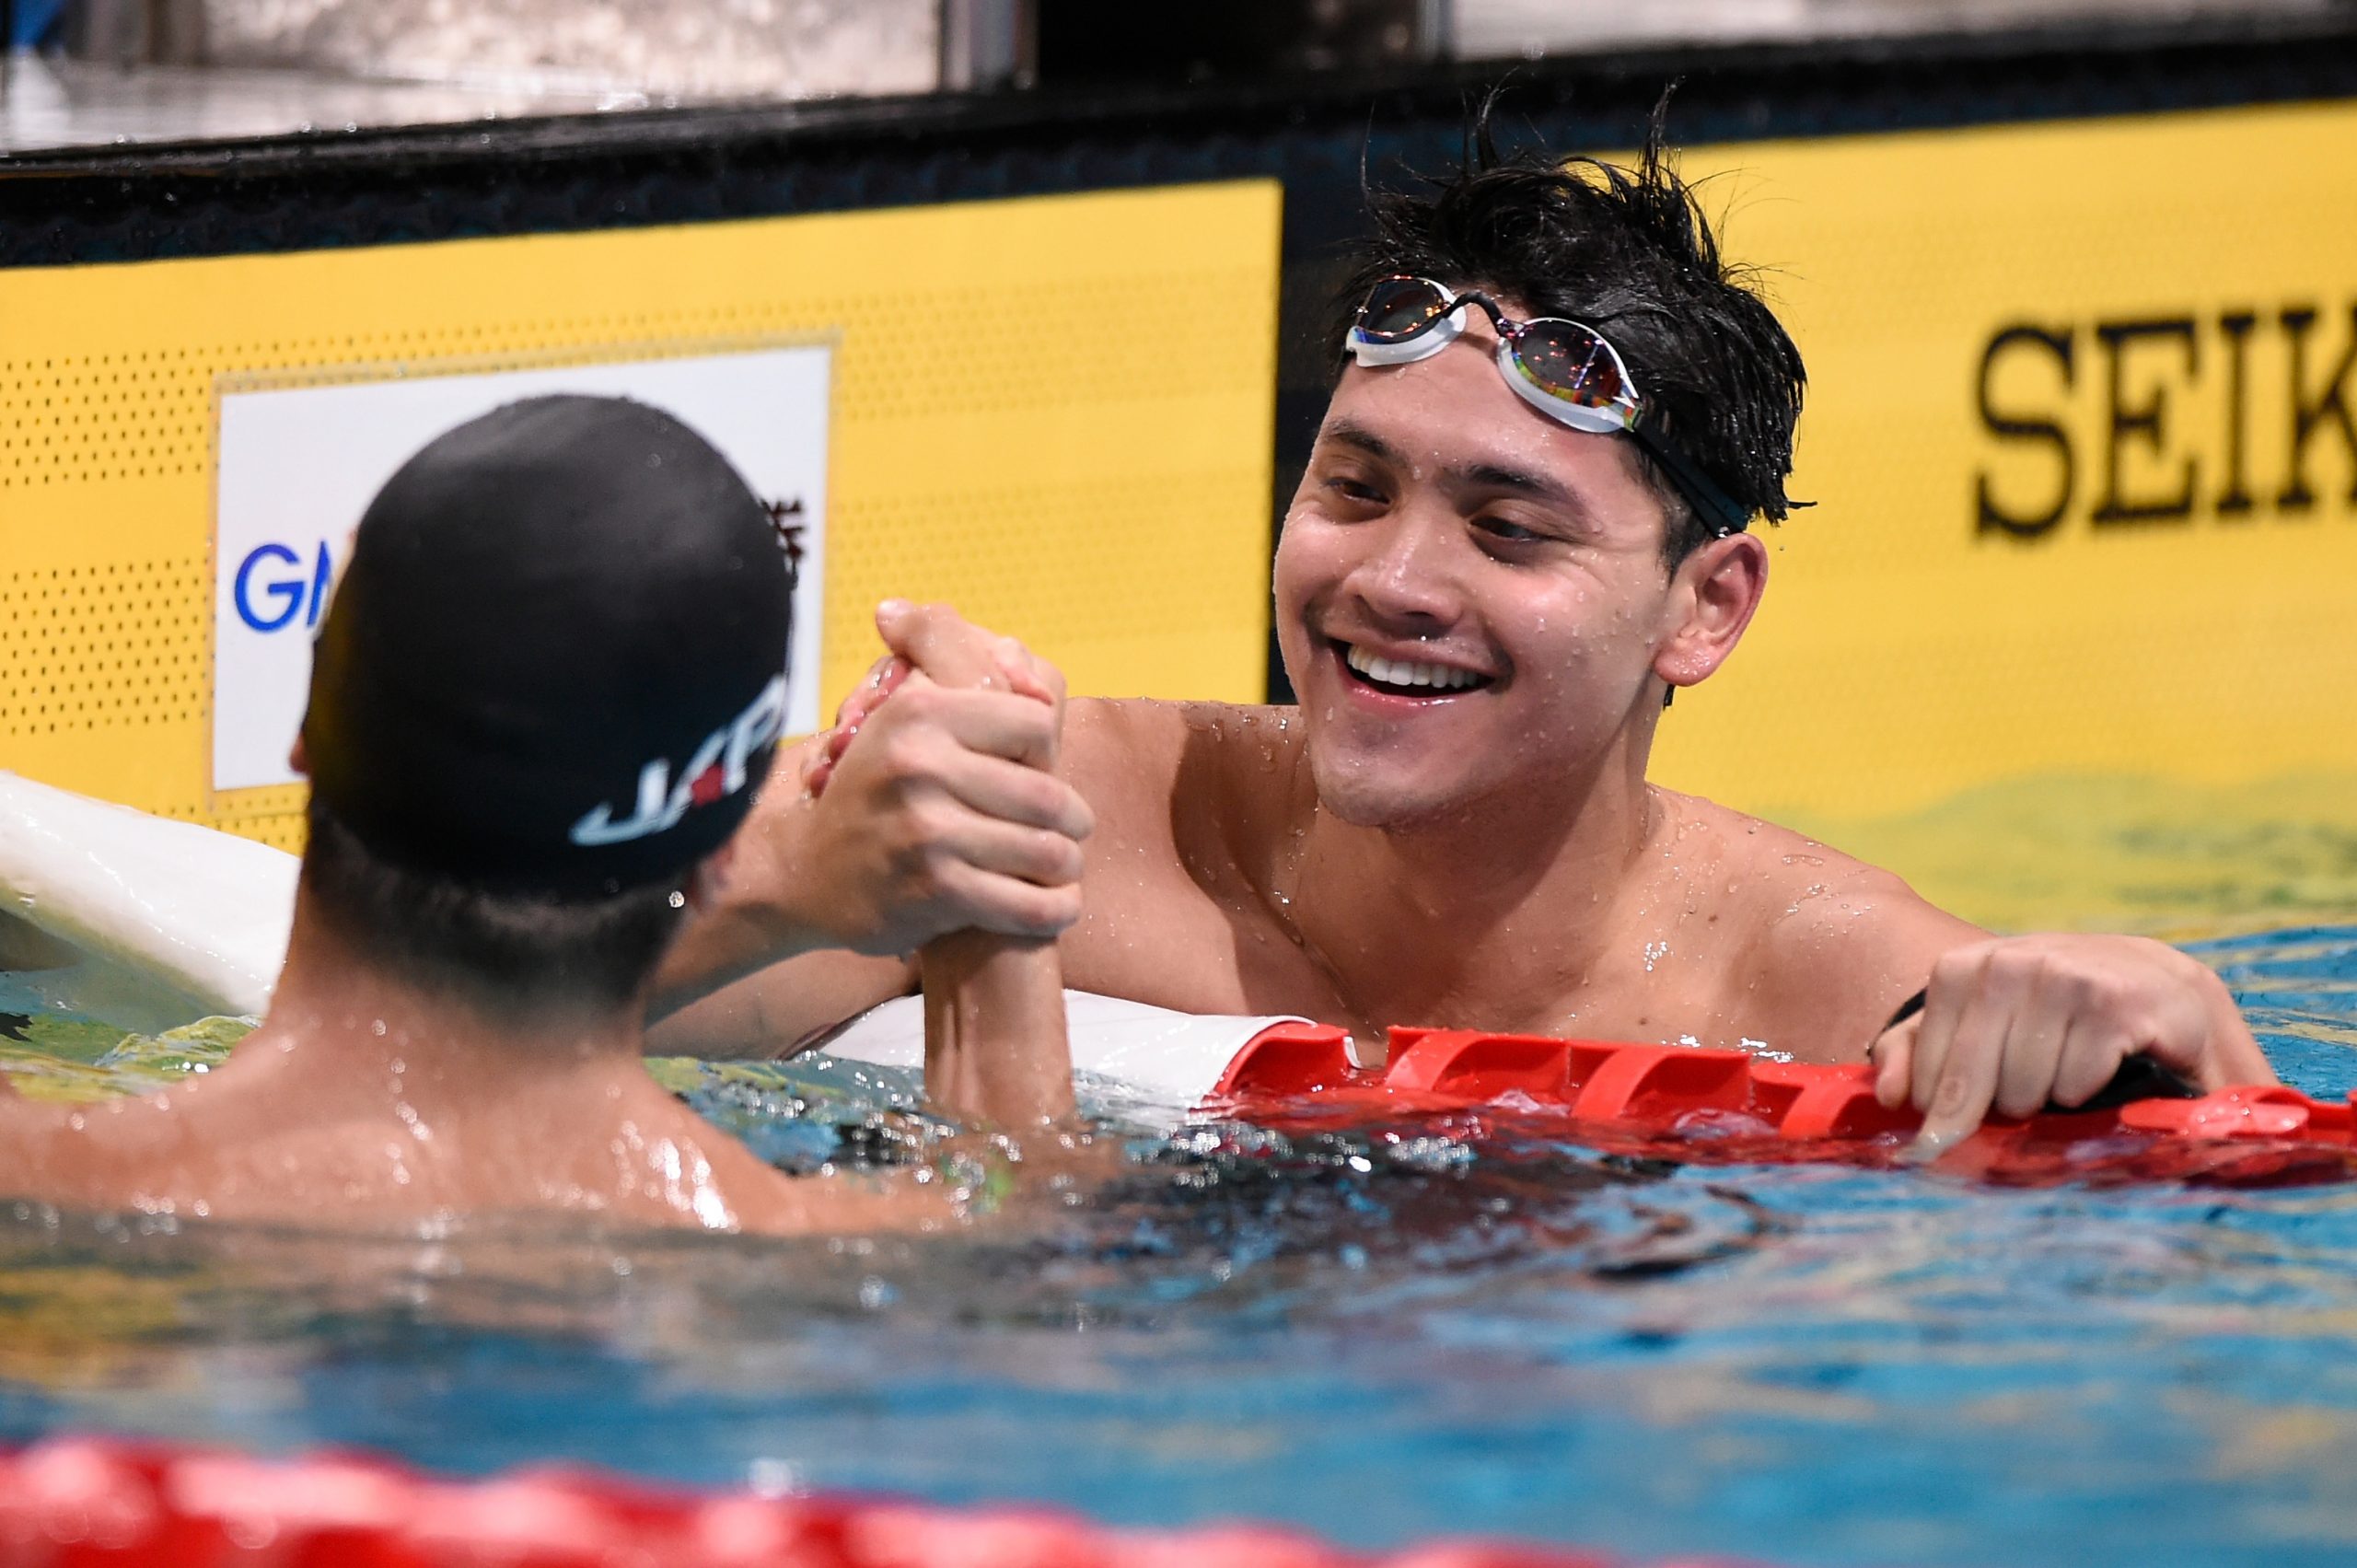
{"points": [[1219, 945]]}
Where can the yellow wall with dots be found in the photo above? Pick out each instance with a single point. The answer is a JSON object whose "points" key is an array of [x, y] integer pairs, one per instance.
{"points": [[1054, 411], [2139, 671], [1906, 649]]}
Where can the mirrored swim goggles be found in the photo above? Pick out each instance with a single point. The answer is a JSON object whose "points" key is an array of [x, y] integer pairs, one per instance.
{"points": [[1565, 370]]}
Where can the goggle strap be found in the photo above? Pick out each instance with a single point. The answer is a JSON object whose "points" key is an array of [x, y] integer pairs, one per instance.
{"points": [[1718, 508]]}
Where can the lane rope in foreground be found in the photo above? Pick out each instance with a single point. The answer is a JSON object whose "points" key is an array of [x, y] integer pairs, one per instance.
{"points": [[86, 1502]]}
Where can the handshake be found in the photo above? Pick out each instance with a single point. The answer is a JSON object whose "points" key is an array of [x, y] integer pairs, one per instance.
{"points": [[927, 828]]}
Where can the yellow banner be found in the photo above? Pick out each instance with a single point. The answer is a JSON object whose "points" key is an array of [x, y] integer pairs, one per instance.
{"points": [[2082, 427], [2074, 609]]}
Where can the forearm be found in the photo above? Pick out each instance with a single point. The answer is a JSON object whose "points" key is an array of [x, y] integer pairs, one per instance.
{"points": [[995, 1049], [719, 947], [781, 1008], [744, 918]]}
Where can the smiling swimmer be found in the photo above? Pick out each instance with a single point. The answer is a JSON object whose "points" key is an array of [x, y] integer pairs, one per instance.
{"points": [[546, 690], [1524, 523]]}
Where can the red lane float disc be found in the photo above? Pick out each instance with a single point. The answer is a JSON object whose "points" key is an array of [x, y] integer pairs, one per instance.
{"points": [[79, 1502], [1729, 1107]]}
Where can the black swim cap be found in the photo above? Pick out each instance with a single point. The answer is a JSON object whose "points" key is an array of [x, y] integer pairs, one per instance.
{"points": [[555, 663]]}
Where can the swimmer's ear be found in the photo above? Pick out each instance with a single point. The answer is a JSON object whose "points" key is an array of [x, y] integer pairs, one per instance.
{"points": [[297, 758], [1713, 596]]}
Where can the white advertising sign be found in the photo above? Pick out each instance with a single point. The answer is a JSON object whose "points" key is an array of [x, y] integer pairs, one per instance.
{"points": [[299, 465]]}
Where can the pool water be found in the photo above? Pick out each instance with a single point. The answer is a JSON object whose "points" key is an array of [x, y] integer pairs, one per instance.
{"points": [[1379, 1336]]}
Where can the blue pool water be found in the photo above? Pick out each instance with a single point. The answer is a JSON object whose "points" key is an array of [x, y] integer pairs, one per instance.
{"points": [[1375, 1337]]}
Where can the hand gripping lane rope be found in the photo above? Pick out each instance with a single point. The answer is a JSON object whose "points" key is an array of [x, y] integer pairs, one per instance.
{"points": [[1692, 1104]]}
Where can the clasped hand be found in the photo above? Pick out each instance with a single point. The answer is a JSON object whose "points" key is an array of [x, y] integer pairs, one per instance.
{"points": [[947, 816]]}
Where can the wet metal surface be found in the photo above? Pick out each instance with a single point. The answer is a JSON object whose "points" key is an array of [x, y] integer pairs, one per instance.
{"points": [[1490, 29], [55, 102]]}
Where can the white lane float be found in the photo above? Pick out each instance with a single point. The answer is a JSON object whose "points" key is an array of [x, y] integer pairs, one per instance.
{"points": [[133, 919], [146, 922]]}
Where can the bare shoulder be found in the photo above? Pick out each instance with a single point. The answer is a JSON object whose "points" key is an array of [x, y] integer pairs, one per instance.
{"points": [[1107, 738], [1828, 943], [1773, 859], [1188, 797], [1098, 729], [1130, 756], [90, 1152]]}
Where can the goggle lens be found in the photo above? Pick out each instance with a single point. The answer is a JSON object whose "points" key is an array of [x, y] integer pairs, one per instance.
{"points": [[1572, 363], [1399, 308]]}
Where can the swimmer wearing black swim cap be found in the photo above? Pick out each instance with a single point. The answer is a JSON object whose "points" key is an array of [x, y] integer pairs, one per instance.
{"points": [[556, 662], [548, 687]]}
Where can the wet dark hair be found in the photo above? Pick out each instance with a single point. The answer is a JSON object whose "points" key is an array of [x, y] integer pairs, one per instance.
{"points": [[506, 957], [1629, 251]]}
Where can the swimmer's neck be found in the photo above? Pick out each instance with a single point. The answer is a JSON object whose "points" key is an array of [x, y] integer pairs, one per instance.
{"points": [[1494, 907], [338, 1015]]}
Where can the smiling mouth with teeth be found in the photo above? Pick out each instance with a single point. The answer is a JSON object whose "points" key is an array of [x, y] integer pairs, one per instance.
{"points": [[1402, 678]]}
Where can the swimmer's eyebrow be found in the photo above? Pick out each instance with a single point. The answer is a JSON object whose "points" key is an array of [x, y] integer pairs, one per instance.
{"points": [[1351, 433], [1538, 487], [1481, 476], [1523, 481]]}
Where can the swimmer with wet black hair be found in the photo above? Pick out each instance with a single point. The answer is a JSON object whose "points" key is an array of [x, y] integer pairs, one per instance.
{"points": [[548, 684], [1525, 521]]}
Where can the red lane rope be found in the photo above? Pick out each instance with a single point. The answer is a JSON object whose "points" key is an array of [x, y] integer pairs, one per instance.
{"points": [[84, 1502], [1729, 1107]]}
